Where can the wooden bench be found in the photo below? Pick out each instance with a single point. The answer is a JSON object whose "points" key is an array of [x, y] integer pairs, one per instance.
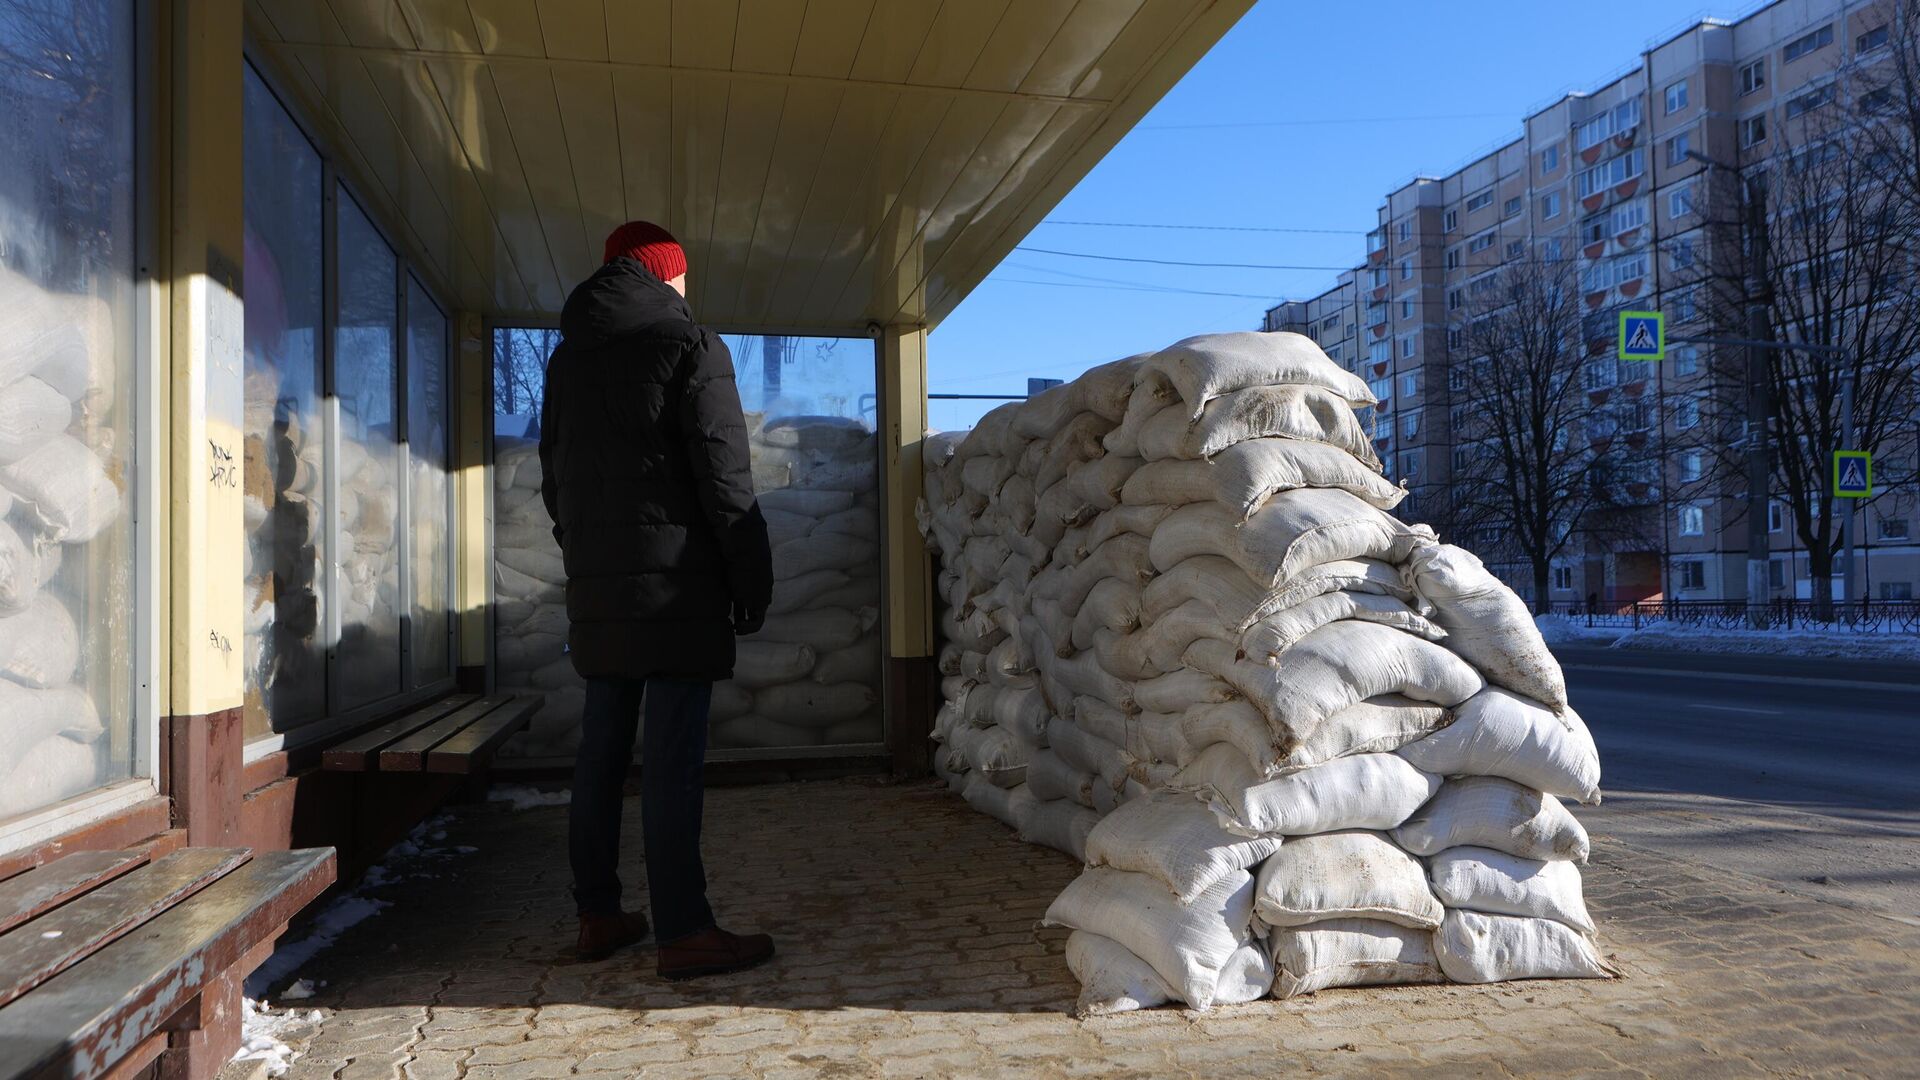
{"points": [[457, 734], [108, 960]]}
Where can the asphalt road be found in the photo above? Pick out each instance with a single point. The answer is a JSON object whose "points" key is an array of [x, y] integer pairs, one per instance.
{"points": [[1806, 772]]}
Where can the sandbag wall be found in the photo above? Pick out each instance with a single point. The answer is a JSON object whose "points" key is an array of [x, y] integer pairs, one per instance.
{"points": [[61, 489], [810, 677], [1298, 743]]}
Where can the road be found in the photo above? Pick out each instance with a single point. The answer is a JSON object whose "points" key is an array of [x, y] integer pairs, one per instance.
{"points": [[1805, 772]]}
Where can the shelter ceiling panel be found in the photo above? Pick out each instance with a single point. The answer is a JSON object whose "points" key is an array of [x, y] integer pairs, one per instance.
{"points": [[539, 144], [1086, 35], [768, 37], [442, 25], [954, 41], [1123, 62], [507, 27], [703, 33], [573, 29], [643, 112], [297, 20], [891, 41], [755, 116], [809, 125], [1019, 38], [591, 124], [699, 137], [372, 23], [640, 31], [829, 39]]}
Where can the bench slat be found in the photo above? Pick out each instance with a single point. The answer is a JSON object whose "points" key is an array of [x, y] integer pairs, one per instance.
{"points": [[83, 1021], [24, 896], [473, 747], [409, 754], [38, 950], [358, 754]]}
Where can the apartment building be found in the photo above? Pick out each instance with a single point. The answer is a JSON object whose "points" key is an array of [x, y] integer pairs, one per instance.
{"points": [[1604, 180]]}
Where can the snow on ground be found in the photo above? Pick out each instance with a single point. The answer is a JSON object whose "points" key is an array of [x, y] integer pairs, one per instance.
{"points": [[1573, 630], [522, 797], [264, 1033], [1696, 638]]}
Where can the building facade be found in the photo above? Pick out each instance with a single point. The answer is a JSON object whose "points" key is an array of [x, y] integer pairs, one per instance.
{"points": [[1609, 186]]}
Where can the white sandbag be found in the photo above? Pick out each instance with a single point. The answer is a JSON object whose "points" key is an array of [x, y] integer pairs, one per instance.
{"points": [[1350, 952], [1375, 726], [1364, 791], [31, 412], [1013, 806], [1087, 752], [1352, 874], [1023, 712], [1138, 520], [820, 551], [1305, 413], [1499, 733], [45, 772], [1205, 366], [1124, 656], [1112, 979], [1097, 484], [545, 566], [1264, 641], [758, 664], [1176, 691], [1293, 531], [1042, 414], [827, 434], [1065, 678], [983, 475], [29, 717], [1211, 580], [1485, 880], [1245, 475], [1061, 824], [812, 705], [1112, 604], [801, 590], [824, 629], [1104, 390], [1049, 777], [1146, 736], [1486, 811], [39, 647], [997, 757], [857, 663], [1069, 447], [1124, 557], [784, 527], [730, 700], [1335, 667], [806, 502], [1349, 575], [1477, 948], [1487, 622], [1174, 837], [1189, 945], [65, 488], [1164, 643]]}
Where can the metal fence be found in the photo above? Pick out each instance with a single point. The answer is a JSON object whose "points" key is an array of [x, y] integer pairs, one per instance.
{"points": [[1863, 616]]}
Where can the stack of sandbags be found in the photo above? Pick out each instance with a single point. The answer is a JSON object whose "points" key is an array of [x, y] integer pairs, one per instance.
{"points": [[810, 677], [1185, 641], [286, 667], [59, 490], [367, 588]]}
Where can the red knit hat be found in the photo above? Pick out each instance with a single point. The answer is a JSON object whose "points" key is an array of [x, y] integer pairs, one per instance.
{"points": [[653, 246]]}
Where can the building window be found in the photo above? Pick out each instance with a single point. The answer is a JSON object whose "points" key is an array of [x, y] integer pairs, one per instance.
{"points": [[1753, 76], [1453, 258], [1692, 466], [1550, 250], [1410, 424], [1376, 240], [1410, 464], [1549, 159], [1753, 131], [1894, 529], [1693, 521], [1377, 276], [1610, 173], [1877, 102], [1875, 38], [1776, 573], [1676, 97], [1805, 45], [1685, 306], [1550, 205], [1406, 347], [1563, 578], [1896, 590], [1406, 269], [1690, 574], [1331, 322], [1406, 307], [1333, 352], [1382, 388], [1456, 337], [1516, 248], [1410, 383], [1599, 374], [1380, 352], [1682, 259], [1597, 130], [1455, 300], [1479, 200], [1776, 516], [1406, 231], [1680, 202], [1801, 104], [1480, 243], [1677, 148], [1686, 413], [1686, 360], [1457, 379], [1450, 221], [1512, 207]]}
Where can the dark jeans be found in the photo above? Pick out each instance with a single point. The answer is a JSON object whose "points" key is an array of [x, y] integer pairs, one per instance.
{"points": [[671, 793]]}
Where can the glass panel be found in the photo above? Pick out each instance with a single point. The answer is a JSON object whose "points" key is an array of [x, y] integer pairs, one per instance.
{"points": [[812, 676], [429, 443], [286, 657], [368, 582], [530, 610], [68, 606]]}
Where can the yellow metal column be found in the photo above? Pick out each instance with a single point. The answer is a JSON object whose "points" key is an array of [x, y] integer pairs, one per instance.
{"points": [[206, 643], [473, 569], [911, 683]]}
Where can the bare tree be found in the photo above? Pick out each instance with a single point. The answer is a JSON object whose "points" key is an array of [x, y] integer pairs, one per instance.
{"points": [[520, 370], [1541, 460], [1839, 267]]}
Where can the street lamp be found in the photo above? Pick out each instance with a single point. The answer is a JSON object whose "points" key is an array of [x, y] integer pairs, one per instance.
{"points": [[1759, 393]]}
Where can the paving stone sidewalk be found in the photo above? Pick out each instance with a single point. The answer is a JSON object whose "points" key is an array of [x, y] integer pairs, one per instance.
{"points": [[906, 927]]}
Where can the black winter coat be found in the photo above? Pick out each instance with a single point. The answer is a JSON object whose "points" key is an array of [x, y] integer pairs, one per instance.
{"points": [[643, 451]]}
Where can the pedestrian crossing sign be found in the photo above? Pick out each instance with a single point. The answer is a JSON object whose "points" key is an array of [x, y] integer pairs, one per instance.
{"points": [[1643, 335], [1852, 474]]}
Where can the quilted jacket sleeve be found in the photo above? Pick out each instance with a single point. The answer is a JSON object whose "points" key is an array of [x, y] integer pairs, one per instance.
{"points": [[716, 434]]}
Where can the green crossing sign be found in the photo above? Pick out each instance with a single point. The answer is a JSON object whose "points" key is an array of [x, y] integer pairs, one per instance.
{"points": [[1853, 474], [1643, 336]]}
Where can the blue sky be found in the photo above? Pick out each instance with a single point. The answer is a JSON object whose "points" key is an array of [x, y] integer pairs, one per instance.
{"points": [[1344, 119]]}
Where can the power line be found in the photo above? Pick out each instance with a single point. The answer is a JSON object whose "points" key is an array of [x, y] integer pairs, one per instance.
{"points": [[1323, 121], [1262, 297], [1173, 262], [1204, 228]]}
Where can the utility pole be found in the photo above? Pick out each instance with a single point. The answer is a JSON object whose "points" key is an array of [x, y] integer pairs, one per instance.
{"points": [[1759, 405], [1847, 595]]}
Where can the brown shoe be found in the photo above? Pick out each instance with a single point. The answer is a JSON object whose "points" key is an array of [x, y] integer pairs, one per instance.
{"points": [[713, 952], [600, 935]]}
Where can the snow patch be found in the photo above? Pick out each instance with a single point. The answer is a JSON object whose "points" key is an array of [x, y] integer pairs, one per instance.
{"points": [[264, 1033], [522, 797], [1669, 636], [1573, 630]]}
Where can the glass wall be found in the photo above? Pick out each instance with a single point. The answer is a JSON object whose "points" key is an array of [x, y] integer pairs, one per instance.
{"points": [[811, 677], [286, 655], [349, 514], [429, 456], [367, 515], [68, 599]]}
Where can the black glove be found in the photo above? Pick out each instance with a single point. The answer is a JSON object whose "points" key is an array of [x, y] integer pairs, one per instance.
{"points": [[747, 620]]}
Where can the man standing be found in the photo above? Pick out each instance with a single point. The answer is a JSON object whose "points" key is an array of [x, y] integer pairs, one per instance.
{"points": [[643, 449]]}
